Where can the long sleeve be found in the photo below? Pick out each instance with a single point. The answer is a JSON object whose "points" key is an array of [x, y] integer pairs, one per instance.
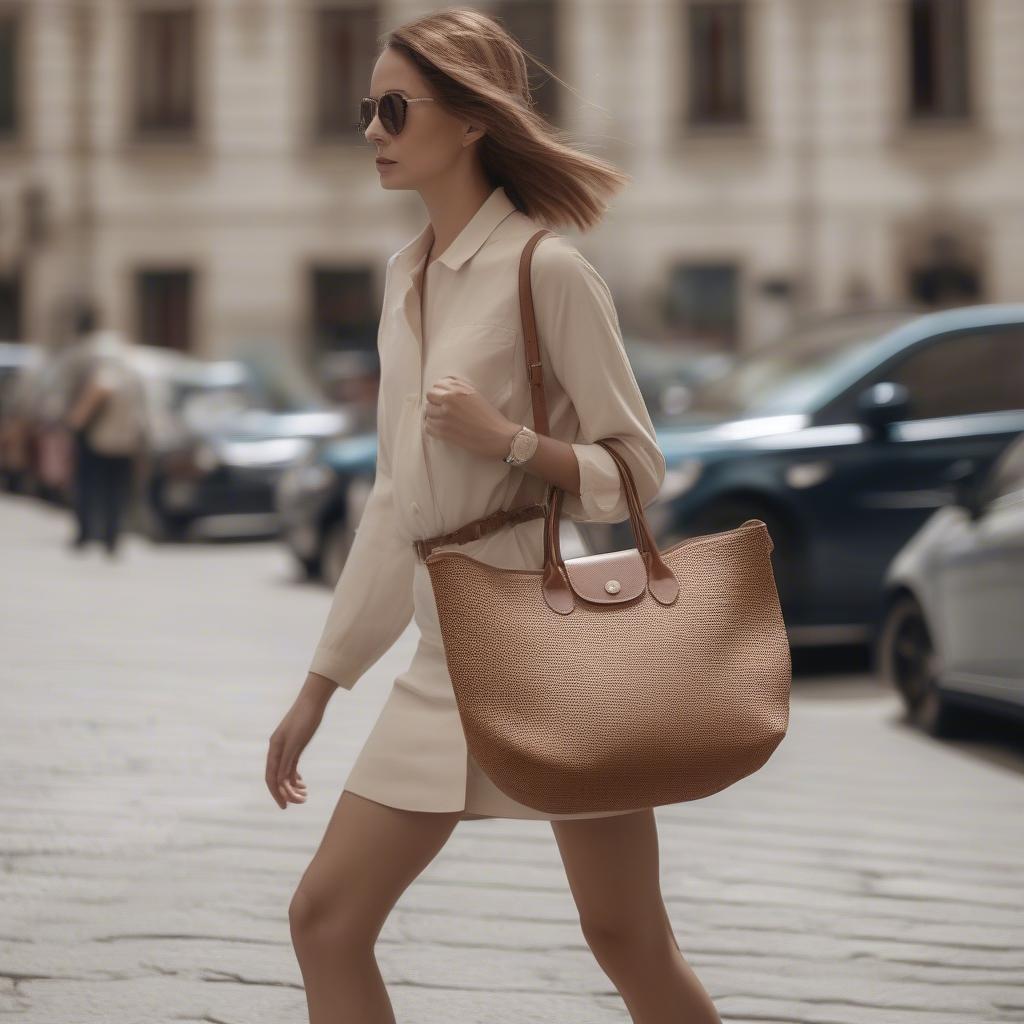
{"points": [[373, 600], [581, 344]]}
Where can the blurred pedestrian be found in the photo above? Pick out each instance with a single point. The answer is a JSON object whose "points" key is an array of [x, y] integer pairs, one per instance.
{"points": [[108, 418]]}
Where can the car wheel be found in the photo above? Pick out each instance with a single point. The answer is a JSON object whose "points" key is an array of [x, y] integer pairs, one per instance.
{"points": [[337, 544], [910, 663]]}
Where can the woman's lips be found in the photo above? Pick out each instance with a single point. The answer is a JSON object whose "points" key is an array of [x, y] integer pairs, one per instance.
{"points": [[381, 162]]}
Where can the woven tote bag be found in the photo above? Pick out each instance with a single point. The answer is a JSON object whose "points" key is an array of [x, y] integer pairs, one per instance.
{"points": [[621, 680]]}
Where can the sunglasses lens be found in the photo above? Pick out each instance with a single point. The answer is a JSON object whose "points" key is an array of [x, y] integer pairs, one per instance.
{"points": [[392, 112]]}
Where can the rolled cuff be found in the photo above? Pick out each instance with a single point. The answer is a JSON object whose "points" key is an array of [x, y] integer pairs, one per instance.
{"points": [[601, 497]]}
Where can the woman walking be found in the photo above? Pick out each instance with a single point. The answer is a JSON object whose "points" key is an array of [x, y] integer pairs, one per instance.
{"points": [[449, 115]]}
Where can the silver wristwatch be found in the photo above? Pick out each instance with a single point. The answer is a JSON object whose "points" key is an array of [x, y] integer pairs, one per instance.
{"points": [[523, 445]]}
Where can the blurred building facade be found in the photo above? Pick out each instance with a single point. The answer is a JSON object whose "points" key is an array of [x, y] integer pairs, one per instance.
{"points": [[193, 165]]}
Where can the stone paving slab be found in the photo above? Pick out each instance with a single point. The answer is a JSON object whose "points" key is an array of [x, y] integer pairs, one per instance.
{"points": [[866, 875]]}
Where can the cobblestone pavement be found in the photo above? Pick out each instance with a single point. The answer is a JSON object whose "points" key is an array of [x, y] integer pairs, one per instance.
{"points": [[866, 875]]}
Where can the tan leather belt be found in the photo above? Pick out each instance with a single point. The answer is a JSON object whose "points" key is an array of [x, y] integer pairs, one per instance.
{"points": [[479, 527]]}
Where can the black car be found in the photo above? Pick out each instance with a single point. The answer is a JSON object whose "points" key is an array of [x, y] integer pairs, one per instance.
{"points": [[840, 441], [222, 443]]}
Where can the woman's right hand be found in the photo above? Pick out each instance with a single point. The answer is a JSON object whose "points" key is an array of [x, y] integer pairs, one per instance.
{"points": [[288, 742]]}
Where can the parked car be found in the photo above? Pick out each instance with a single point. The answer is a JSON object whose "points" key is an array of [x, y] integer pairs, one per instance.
{"points": [[953, 623], [222, 442], [320, 501], [669, 372], [839, 443]]}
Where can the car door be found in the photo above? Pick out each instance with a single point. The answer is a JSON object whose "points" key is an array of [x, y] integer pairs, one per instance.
{"points": [[980, 589], [966, 393]]}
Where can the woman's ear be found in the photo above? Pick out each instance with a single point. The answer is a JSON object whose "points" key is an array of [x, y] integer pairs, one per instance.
{"points": [[473, 133]]}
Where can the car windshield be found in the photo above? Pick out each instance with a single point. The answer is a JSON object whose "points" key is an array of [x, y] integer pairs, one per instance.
{"points": [[794, 375]]}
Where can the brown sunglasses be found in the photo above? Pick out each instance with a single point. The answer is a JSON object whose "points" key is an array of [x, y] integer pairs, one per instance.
{"points": [[392, 107]]}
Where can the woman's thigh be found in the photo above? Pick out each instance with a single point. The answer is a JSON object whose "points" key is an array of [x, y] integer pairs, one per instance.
{"points": [[368, 856], [612, 865]]}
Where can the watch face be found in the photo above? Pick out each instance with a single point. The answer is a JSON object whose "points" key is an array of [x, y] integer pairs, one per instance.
{"points": [[524, 444]]}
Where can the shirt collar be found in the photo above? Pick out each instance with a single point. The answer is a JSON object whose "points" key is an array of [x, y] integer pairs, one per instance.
{"points": [[494, 209]]}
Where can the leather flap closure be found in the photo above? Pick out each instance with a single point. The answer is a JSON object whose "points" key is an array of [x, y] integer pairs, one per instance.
{"points": [[609, 577]]}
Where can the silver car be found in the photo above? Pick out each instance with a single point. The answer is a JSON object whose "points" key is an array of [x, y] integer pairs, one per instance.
{"points": [[952, 634]]}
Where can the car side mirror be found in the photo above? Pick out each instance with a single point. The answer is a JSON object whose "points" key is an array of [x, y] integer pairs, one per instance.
{"points": [[881, 404], [965, 478]]}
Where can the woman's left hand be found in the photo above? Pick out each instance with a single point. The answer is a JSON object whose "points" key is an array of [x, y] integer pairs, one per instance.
{"points": [[456, 412]]}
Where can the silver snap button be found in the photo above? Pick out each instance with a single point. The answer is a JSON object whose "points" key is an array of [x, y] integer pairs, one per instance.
{"points": [[612, 586]]}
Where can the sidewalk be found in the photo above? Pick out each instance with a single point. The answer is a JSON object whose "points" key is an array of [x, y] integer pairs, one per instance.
{"points": [[866, 875]]}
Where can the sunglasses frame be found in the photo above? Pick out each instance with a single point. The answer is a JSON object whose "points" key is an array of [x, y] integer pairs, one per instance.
{"points": [[406, 100]]}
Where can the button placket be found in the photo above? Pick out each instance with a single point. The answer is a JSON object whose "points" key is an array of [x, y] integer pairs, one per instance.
{"points": [[413, 314]]}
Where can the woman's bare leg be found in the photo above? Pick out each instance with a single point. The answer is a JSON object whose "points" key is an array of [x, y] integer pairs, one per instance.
{"points": [[368, 856], [612, 867]]}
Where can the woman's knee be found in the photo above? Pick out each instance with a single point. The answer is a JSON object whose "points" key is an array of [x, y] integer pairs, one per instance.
{"points": [[351, 885], [332, 920], [627, 936]]}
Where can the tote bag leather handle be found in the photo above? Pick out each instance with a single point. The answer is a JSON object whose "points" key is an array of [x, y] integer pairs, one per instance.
{"points": [[557, 588]]}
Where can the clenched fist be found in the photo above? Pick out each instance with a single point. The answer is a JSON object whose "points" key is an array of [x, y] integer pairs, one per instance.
{"points": [[457, 413]]}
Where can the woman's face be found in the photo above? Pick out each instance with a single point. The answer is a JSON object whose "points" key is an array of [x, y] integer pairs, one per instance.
{"points": [[431, 141]]}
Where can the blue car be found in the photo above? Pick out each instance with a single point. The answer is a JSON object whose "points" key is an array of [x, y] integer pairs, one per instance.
{"points": [[841, 440]]}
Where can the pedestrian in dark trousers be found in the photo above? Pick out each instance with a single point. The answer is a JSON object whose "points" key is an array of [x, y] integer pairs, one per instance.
{"points": [[102, 487], [108, 418]]}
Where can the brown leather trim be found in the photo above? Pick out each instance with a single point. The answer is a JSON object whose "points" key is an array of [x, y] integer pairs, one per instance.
{"points": [[487, 524], [609, 577], [480, 527], [531, 347]]}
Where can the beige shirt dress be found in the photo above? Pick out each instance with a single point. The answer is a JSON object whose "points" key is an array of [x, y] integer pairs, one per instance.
{"points": [[416, 756]]}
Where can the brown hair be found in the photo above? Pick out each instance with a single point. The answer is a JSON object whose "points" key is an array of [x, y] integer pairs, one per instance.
{"points": [[479, 72]]}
